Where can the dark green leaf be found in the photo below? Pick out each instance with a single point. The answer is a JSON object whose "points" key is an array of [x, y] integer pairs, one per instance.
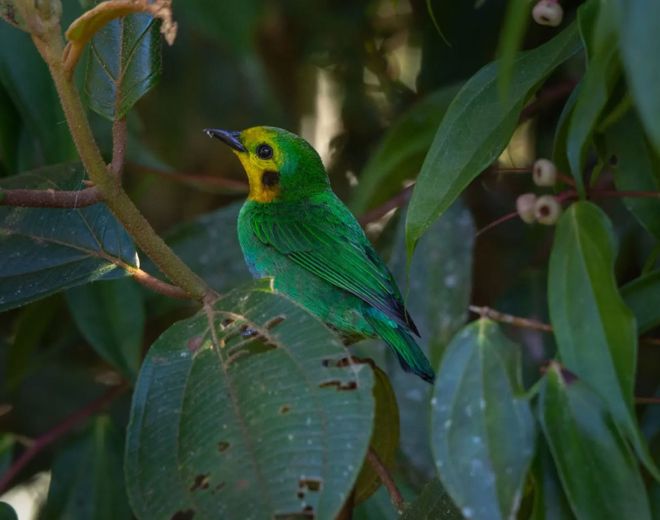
{"points": [[45, 250], [110, 316], [636, 168], [433, 503], [482, 430], [587, 309], [7, 443], [642, 296], [476, 128], [511, 37], [7, 512], [597, 468], [260, 427], [640, 47], [550, 502], [87, 481], [559, 154], [401, 152], [124, 64]]}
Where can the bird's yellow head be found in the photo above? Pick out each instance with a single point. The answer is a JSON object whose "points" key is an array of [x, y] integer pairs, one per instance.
{"points": [[280, 165]]}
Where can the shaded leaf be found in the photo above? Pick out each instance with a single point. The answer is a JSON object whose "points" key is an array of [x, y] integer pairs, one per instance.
{"points": [[597, 468], [511, 37], [587, 309], [7, 512], [45, 250], [7, 443], [559, 153], [400, 154], [475, 130], [110, 315], [550, 502], [433, 503], [642, 296], [482, 431], [270, 425]]}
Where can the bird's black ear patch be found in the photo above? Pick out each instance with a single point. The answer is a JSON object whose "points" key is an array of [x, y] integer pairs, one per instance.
{"points": [[270, 178]]}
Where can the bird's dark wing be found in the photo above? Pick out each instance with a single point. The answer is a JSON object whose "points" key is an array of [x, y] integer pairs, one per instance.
{"points": [[326, 240]]}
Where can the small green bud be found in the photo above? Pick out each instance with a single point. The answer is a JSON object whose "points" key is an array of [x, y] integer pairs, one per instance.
{"points": [[525, 204], [544, 172], [548, 12], [547, 210]]}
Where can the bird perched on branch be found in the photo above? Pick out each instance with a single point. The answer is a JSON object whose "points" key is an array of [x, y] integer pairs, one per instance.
{"points": [[295, 229]]}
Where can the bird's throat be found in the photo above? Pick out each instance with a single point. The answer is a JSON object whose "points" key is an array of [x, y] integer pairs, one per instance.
{"points": [[259, 192]]}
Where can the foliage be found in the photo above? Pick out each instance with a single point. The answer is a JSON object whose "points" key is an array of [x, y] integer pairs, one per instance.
{"points": [[151, 378]]}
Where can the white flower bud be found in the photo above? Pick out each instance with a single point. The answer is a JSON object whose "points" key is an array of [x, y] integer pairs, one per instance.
{"points": [[544, 172], [548, 12], [547, 210], [525, 205]]}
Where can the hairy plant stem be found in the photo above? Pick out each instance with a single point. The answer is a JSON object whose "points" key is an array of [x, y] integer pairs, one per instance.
{"points": [[51, 46]]}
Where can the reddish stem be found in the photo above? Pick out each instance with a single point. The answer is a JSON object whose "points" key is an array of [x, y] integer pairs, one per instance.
{"points": [[396, 201], [497, 222], [387, 480]]}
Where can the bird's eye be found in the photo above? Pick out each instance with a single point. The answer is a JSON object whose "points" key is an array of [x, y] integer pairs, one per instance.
{"points": [[264, 151]]}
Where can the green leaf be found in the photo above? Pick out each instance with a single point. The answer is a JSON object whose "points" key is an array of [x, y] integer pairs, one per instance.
{"points": [[437, 295], [482, 430], [45, 250], [476, 128], [640, 48], [642, 296], [511, 37], [587, 309], [7, 512], [87, 479], [124, 63], [559, 153], [603, 71], [597, 469], [433, 503], [637, 168], [110, 315], [7, 444], [550, 501], [401, 152], [262, 426]]}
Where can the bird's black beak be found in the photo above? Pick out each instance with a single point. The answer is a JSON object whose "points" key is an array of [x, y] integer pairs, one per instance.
{"points": [[228, 137]]}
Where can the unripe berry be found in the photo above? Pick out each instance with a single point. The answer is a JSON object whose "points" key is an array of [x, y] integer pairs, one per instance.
{"points": [[525, 205], [547, 210], [548, 12], [544, 172]]}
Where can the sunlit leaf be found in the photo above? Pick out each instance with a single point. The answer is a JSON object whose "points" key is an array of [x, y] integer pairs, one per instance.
{"points": [[271, 422], [482, 430], [45, 250], [597, 468], [476, 128]]}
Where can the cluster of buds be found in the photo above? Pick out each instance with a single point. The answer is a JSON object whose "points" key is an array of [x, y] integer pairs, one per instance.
{"points": [[548, 12], [544, 209]]}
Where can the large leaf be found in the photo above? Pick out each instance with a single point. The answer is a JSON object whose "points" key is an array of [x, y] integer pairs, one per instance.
{"points": [[124, 64], [550, 502], [110, 316], [642, 296], [271, 422], [401, 152], [637, 168], [45, 250], [482, 430], [476, 128], [87, 479], [640, 47], [433, 503], [597, 468], [586, 309]]}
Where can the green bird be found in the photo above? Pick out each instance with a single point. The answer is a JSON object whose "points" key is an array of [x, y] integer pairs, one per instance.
{"points": [[295, 229]]}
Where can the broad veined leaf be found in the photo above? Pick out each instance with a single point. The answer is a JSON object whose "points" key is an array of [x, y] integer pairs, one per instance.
{"points": [[88, 479], [640, 47], [271, 421], [636, 167], [476, 128], [586, 308], [110, 315], [642, 296], [124, 64], [597, 469], [433, 503], [482, 429], [45, 250], [401, 152], [437, 293]]}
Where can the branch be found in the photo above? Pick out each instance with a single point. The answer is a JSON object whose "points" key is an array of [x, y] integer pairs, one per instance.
{"points": [[525, 323], [396, 201], [545, 98], [497, 222], [211, 183], [387, 480], [647, 400], [157, 285], [59, 431], [604, 194], [50, 198], [119, 137]]}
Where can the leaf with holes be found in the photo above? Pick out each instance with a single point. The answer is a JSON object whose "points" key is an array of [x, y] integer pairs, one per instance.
{"points": [[45, 250], [271, 421], [124, 64], [482, 429]]}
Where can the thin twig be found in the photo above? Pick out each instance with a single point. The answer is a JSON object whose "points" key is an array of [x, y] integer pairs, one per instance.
{"points": [[387, 480], [546, 97], [497, 222], [211, 183], [158, 285], [119, 138], [509, 319], [396, 201], [50, 198], [59, 431], [647, 400], [624, 194]]}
